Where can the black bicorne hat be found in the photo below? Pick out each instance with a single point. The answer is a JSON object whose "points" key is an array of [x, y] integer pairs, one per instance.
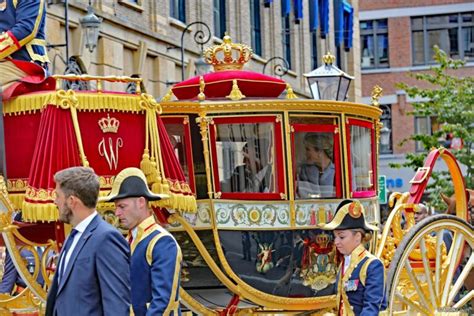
{"points": [[131, 182], [350, 214]]}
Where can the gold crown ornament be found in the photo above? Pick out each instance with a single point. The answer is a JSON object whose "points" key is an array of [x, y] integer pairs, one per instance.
{"points": [[109, 124], [228, 55], [322, 240]]}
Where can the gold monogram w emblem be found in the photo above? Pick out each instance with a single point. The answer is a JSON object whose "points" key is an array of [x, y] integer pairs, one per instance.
{"points": [[110, 152]]}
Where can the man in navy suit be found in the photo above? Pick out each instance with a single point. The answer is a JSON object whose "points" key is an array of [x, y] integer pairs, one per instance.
{"points": [[93, 274]]}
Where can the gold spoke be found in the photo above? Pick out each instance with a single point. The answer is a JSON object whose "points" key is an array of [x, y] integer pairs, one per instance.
{"points": [[412, 304], [427, 271], [438, 267], [460, 281], [456, 249], [416, 284], [465, 299]]}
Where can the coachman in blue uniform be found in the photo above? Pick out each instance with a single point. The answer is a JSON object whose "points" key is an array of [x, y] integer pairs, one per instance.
{"points": [[156, 256], [360, 279], [22, 41]]}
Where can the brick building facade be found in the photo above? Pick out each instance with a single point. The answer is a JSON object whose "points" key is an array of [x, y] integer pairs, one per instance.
{"points": [[396, 39], [142, 37]]}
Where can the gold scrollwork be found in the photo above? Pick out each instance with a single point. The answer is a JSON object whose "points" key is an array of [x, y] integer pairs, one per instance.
{"points": [[147, 102], [66, 99]]}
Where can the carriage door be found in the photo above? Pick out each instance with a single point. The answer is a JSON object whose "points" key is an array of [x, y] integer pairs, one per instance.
{"points": [[361, 157], [316, 160]]}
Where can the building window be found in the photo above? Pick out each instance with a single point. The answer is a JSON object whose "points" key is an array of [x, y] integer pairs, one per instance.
{"points": [[386, 131], [178, 10], [424, 125], [286, 39], [453, 33], [314, 49], [255, 27], [374, 44], [219, 18]]}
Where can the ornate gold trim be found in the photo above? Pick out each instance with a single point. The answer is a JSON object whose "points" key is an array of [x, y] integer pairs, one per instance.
{"points": [[31, 103], [271, 105], [235, 94]]}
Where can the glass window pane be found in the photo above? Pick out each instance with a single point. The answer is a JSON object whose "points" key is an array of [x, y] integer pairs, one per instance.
{"points": [[245, 157], [382, 49], [423, 127], [418, 48], [361, 159], [382, 24], [467, 17], [315, 170], [445, 39], [177, 138], [366, 25], [367, 53], [438, 20], [417, 23], [468, 41]]}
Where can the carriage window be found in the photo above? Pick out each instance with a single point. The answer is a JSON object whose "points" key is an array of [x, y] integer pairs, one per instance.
{"points": [[361, 158], [315, 172], [178, 132], [245, 156]]}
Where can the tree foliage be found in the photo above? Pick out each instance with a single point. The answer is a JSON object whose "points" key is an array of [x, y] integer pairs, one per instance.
{"points": [[449, 100]]}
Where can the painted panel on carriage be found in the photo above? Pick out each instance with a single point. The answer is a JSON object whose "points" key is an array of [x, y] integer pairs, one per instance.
{"points": [[288, 263], [312, 214], [200, 219], [235, 215]]}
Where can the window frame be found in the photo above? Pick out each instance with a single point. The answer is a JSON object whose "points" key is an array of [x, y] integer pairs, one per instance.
{"points": [[320, 128], [280, 189], [220, 14], [184, 120], [286, 39], [180, 15], [256, 27], [375, 32], [425, 28], [371, 126]]}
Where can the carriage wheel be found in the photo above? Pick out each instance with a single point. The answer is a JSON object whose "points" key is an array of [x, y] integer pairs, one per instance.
{"points": [[434, 283]]}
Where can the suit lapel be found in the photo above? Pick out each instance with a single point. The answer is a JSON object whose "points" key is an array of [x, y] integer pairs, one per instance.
{"points": [[77, 249]]}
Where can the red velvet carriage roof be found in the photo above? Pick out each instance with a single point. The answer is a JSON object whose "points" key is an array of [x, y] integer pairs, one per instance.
{"points": [[219, 85], [106, 131], [229, 80]]}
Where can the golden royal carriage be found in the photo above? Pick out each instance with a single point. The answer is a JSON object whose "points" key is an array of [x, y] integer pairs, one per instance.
{"points": [[251, 243]]}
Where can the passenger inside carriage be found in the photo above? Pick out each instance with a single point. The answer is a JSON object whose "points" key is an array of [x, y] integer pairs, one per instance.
{"points": [[316, 174], [255, 174]]}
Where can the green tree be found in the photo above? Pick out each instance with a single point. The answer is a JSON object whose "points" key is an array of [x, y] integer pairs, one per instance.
{"points": [[450, 101]]}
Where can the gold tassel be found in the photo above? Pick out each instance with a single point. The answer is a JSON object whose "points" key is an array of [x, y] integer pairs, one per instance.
{"points": [[289, 92], [145, 164], [235, 94]]}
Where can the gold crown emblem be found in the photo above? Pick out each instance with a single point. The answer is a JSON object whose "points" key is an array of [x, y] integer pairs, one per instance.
{"points": [[109, 124], [322, 240], [228, 55]]}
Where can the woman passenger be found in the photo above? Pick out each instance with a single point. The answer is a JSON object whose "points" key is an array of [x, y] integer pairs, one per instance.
{"points": [[360, 278]]}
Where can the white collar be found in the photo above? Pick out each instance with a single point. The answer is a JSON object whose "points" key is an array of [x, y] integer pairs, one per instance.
{"points": [[81, 227]]}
